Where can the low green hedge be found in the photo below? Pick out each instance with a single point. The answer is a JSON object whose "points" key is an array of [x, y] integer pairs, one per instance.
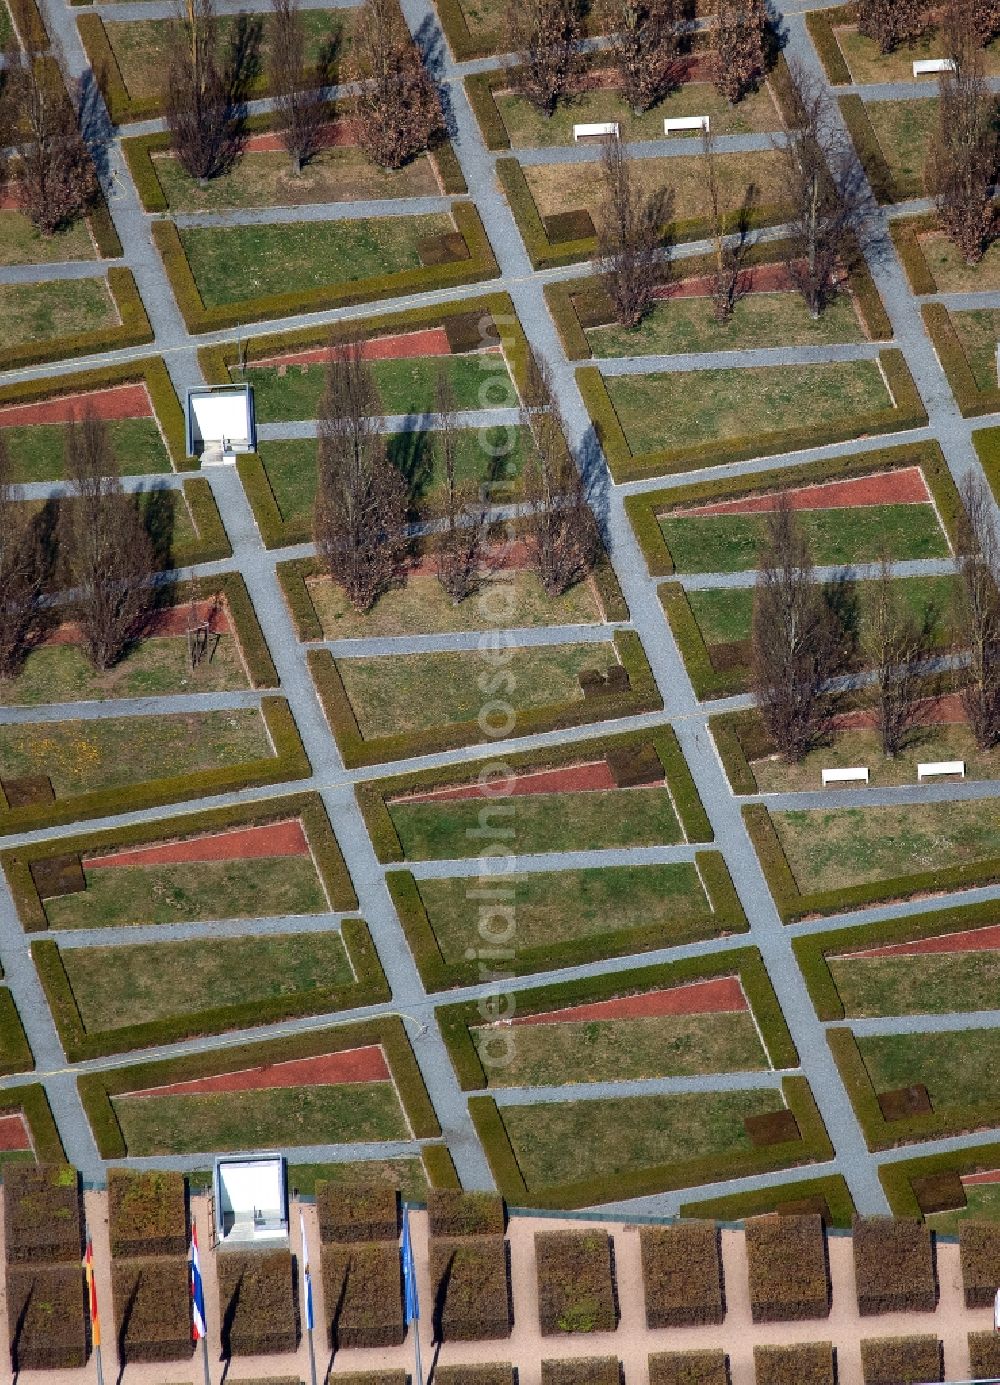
{"points": [[460, 40], [213, 542], [133, 330], [288, 762], [906, 238], [439, 975], [792, 905], [897, 1176], [820, 24], [31, 1101], [372, 795], [292, 581], [480, 265], [97, 1088], [15, 1051], [831, 1189], [307, 807], [971, 400], [884, 185], [28, 24], [457, 1021], [645, 507], [253, 645], [439, 1166], [274, 530], [813, 1147], [102, 228], [642, 696], [909, 412], [706, 680], [986, 441]]}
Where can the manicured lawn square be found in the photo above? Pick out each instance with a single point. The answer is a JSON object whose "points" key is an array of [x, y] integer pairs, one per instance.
{"points": [[55, 308], [949, 270], [957, 1068], [407, 1175], [930, 984], [904, 130], [21, 243], [38, 452], [979, 331], [863, 747], [868, 64]]}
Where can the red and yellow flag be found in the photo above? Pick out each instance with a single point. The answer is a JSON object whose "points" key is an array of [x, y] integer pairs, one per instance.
{"points": [[95, 1321]]}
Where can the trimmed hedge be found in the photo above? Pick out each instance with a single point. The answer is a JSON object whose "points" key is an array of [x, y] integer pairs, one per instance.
{"points": [[439, 1167], [455, 1212], [646, 507], [820, 24], [132, 330], [906, 237], [496, 1373], [427, 278], [369, 987], [576, 1282], [14, 1046], [979, 1248], [830, 1196], [456, 1022], [899, 1177], [894, 1266], [31, 1102], [788, 1268], [709, 1367], [212, 544], [971, 400], [470, 1288], [812, 1146], [682, 1275], [43, 1222], [258, 1302], [28, 24], [707, 681], [987, 444], [908, 412], [349, 1215], [362, 1290], [901, 1360], [46, 1310], [886, 184], [307, 807], [152, 1309], [97, 1088], [806, 1363], [641, 696], [583, 1370], [147, 1213], [984, 1355]]}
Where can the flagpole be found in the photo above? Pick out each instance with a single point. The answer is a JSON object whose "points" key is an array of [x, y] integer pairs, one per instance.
{"points": [[307, 1296], [204, 1360], [95, 1321], [199, 1330], [411, 1300]]}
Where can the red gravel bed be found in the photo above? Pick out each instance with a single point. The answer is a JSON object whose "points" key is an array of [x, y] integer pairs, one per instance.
{"points": [[325, 1070], [122, 401], [337, 134], [243, 844], [904, 487], [431, 341], [721, 995], [570, 779], [946, 710], [172, 621], [972, 940], [14, 1133], [988, 1176], [512, 557]]}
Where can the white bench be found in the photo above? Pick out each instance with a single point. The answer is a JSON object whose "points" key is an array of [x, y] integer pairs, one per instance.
{"points": [[926, 67], [596, 130], [845, 776], [941, 767], [686, 122]]}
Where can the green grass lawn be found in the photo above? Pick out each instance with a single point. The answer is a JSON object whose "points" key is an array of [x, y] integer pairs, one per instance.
{"points": [[125, 895], [730, 543], [21, 243], [760, 319], [618, 1050], [479, 380], [529, 129], [157, 666], [232, 264], [849, 846], [958, 1069], [119, 986], [405, 1174], [55, 308], [571, 1141], [904, 130], [982, 1204], [80, 756], [140, 46], [541, 822], [868, 64], [951, 273], [263, 178], [847, 748], [556, 907], [423, 607], [277, 1118], [689, 408], [415, 692], [979, 331], [38, 452], [931, 984], [491, 456]]}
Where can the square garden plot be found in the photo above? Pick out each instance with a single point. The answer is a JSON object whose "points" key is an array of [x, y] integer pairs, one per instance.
{"points": [[955, 1068], [577, 1291], [936, 265], [21, 243], [51, 309], [152, 1308], [893, 140], [682, 1275], [866, 64]]}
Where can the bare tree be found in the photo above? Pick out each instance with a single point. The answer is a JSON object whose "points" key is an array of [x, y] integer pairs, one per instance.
{"points": [[631, 260], [397, 106], [298, 98], [730, 279], [977, 614], [360, 517], [645, 40], [984, 17], [739, 59], [962, 161], [796, 642], [460, 546], [545, 35], [107, 550], [892, 22], [20, 571], [560, 528], [203, 118], [52, 168], [821, 181], [896, 646]]}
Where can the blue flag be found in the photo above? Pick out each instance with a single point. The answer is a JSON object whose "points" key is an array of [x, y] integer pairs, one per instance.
{"points": [[198, 1328], [307, 1282], [412, 1302]]}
